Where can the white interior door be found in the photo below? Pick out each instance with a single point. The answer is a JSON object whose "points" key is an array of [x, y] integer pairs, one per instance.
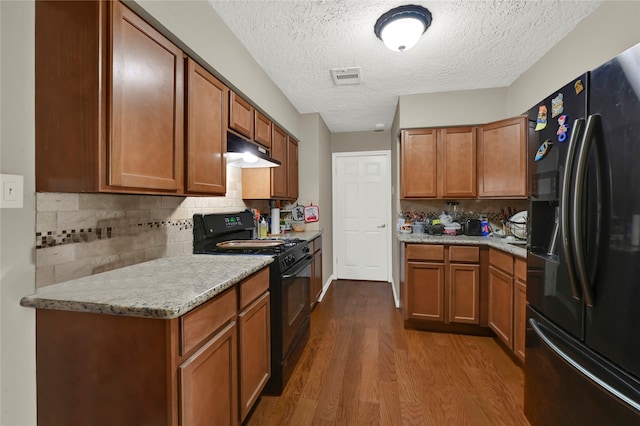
{"points": [[362, 210]]}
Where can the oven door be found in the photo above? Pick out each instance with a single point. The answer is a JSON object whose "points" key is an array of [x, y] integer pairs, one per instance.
{"points": [[296, 307]]}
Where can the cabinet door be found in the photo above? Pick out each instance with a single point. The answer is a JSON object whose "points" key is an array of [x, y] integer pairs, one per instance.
{"points": [[279, 152], [209, 382], [145, 149], [262, 130], [519, 318], [501, 304], [520, 307], [206, 131], [316, 277], [240, 115], [255, 352], [464, 293], [457, 162], [425, 291], [502, 165], [418, 157], [292, 169]]}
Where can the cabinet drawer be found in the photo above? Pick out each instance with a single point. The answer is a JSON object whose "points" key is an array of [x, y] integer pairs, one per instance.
{"points": [[501, 260], [425, 252], [206, 319], [251, 288], [465, 254], [521, 269]]}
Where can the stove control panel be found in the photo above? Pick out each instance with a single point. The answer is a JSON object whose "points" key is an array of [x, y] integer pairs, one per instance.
{"points": [[288, 260], [232, 221]]}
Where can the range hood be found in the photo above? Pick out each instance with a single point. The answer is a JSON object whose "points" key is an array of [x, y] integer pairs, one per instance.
{"points": [[245, 154]]}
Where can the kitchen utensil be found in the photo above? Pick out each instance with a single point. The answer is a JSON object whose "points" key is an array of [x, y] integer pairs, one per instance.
{"points": [[452, 229], [407, 228], [437, 229], [517, 224], [297, 213], [311, 213], [418, 227]]}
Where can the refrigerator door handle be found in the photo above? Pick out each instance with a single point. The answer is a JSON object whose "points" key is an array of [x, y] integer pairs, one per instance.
{"points": [[582, 159], [537, 328], [565, 206]]}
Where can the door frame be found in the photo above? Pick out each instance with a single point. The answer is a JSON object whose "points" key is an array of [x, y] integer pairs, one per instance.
{"points": [[387, 195]]}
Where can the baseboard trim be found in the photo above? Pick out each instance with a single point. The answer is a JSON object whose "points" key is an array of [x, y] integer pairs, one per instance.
{"points": [[326, 286]]}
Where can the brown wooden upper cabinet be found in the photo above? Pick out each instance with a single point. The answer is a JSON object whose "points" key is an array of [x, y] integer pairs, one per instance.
{"points": [[279, 174], [97, 128], [457, 163], [240, 115], [279, 183], [502, 161], [292, 168], [418, 153], [438, 163], [206, 131], [262, 129]]}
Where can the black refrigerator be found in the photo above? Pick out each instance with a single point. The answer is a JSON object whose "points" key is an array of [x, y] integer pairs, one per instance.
{"points": [[582, 358]]}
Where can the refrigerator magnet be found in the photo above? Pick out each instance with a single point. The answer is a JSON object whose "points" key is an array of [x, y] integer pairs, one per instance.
{"points": [[578, 86], [544, 150], [541, 122], [557, 105], [564, 128]]}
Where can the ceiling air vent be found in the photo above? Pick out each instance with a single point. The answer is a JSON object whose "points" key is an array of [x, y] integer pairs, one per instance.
{"points": [[344, 76]]}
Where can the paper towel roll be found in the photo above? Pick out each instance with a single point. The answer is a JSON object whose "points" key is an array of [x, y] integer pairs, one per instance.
{"points": [[275, 221]]}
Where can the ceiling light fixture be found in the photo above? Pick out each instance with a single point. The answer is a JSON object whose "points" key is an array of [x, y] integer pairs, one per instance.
{"points": [[401, 27]]}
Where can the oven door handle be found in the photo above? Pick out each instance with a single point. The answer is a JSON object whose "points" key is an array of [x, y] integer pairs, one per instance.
{"points": [[306, 261]]}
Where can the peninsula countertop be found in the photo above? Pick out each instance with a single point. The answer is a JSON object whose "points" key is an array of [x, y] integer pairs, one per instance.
{"points": [[163, 288], [498, 243]]}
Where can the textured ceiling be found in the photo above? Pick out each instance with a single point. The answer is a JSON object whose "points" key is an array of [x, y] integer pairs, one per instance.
{"points": [[470, 45]]}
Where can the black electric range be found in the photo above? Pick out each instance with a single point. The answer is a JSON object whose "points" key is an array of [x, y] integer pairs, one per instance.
{"points": [[289, 283]]}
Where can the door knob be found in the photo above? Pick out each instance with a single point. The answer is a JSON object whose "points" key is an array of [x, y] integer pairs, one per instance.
{"points": [[382, 226]]}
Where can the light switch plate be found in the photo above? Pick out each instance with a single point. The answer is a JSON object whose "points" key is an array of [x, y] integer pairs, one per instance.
{"points": [[12, 187]]}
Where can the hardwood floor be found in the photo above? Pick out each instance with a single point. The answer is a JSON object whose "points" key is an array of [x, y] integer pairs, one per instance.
{"points": [[361, 367]]}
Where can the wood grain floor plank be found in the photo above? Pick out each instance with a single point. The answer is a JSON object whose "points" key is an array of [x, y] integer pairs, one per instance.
{"points": [[361, 367]]}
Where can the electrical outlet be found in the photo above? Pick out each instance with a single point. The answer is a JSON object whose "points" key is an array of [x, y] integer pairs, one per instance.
{"points": [[12, 191]]}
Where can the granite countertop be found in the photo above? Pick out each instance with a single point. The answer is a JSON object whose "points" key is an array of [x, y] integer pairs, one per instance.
{"points": [[163, 288], [498, 243], [306, 235]]}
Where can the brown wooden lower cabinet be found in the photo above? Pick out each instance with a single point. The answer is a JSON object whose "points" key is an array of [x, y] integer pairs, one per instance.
{"points": [[520, 308], [508, 299], [501, 304], [463, 282], [442, 283], [316, 270], [208, 382], [119, 370], [466, 289], [255, 352]]}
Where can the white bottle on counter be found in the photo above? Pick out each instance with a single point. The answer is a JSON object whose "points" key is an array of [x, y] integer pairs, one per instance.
{"points": [[263, 228]]}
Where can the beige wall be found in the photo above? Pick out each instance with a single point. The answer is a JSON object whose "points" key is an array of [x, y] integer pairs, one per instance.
{"points": [[17, 275], [452, 108], [360, 141], [315, 181], [612, 28]]}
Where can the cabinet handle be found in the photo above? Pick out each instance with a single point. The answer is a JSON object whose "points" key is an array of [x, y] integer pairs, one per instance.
{"points": [[384, 225]]}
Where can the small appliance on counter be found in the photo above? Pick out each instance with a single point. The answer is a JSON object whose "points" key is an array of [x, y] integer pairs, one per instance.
{"points": [[473, 227]]}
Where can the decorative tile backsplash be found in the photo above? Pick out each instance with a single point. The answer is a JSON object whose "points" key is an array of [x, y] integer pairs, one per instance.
{"points": [[83, 234], [467, 209]]}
